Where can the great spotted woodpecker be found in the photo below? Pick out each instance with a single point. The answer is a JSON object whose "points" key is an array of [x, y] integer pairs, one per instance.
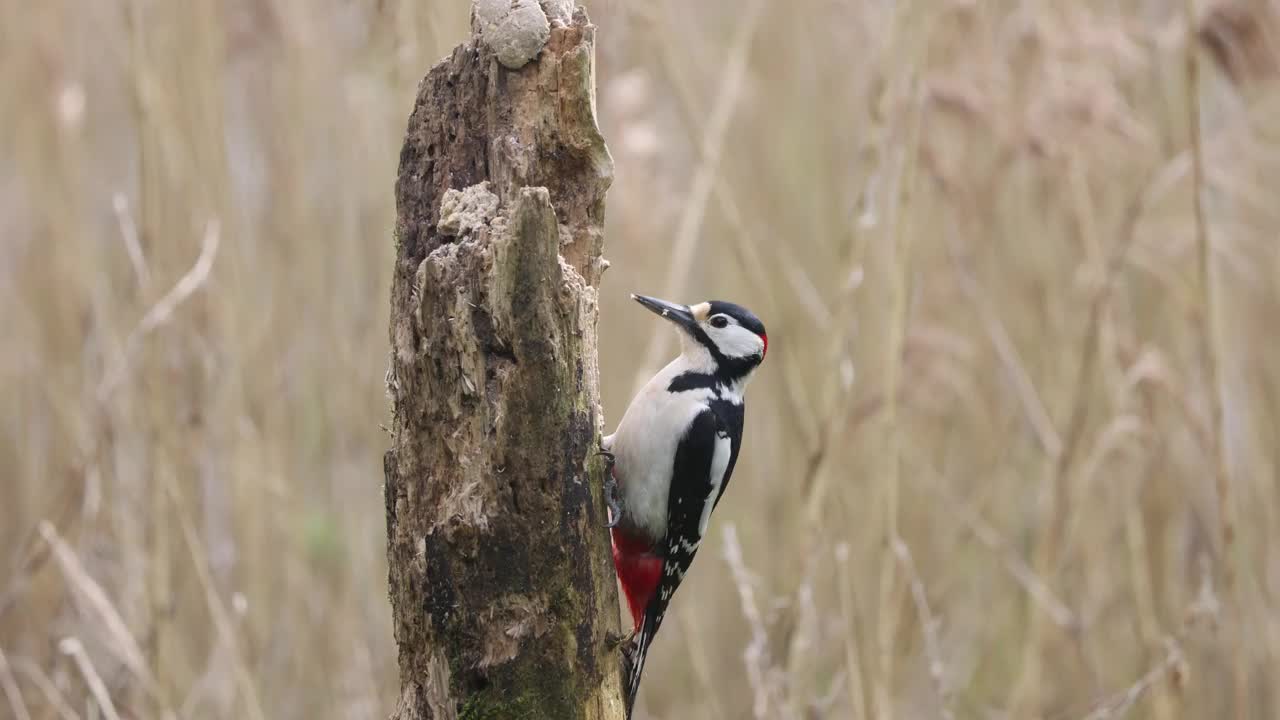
{"points": [[671, 458]]}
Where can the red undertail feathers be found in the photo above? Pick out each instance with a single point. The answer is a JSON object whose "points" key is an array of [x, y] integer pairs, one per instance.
{"points": [[639, 570]]}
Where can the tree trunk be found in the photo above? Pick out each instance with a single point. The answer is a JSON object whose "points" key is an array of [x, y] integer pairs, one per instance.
{"points": [[502, 590]]}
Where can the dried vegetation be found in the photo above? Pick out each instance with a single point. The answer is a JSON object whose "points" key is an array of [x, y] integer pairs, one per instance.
{"points": [[1014, 453]]}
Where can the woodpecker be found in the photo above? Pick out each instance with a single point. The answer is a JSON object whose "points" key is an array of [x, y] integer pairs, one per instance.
{"points": [[670, 459]]}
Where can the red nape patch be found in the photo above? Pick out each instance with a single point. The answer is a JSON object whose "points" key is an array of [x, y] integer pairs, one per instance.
{"points": [[765, 351], [639, 570]]}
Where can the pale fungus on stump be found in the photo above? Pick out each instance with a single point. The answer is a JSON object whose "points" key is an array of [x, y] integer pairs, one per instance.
{"points": [[501, 585]]}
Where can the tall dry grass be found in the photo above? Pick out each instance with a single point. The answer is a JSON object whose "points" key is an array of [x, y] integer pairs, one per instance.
{"points": [[1014, 452]]}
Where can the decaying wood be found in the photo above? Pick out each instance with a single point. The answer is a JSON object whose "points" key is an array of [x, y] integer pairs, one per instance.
{"points": [[501, 586]]}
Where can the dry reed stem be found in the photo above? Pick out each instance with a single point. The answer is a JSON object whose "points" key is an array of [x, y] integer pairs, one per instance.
{"points": [[756, 653], [840, 414], [1211, 354], [1143, 593], [695, 642], [221, 617], [1136, 529], [162, 311], [191, 281], [798, 616], [121, 642], [928, 628], [852, 649], [1028, 397], [33, 553], [1036, 588], [1124, 701], [1210, 344], [71, 646], [1173, 664], [899, 246], [688, 231], [129, 233], [12, 692], [37, 677], [1058, 467]]}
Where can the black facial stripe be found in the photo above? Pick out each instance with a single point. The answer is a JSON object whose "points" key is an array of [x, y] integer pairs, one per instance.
{"points": [[727, 369]]}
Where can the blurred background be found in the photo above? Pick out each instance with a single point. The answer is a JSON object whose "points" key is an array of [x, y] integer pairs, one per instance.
{"points": [[1010, 455]]}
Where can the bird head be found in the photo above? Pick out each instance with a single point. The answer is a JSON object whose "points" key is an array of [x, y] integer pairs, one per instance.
{"points": [[724, 335]]}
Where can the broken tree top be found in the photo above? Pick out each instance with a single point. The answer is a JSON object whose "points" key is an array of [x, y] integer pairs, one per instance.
{"points": [[516, 30]]}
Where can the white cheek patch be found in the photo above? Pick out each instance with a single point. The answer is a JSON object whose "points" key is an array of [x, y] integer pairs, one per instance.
{"points": [[736, 341]]}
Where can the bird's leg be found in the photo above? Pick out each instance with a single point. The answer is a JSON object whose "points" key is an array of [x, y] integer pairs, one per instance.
{"points": [[611, 490]]}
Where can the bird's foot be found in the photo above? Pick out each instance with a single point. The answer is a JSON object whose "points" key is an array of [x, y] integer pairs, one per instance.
{"points": [[611, 490], [615, 641]]}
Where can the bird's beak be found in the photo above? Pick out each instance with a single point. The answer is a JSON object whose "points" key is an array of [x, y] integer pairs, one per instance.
{"points": [[679, 314]]}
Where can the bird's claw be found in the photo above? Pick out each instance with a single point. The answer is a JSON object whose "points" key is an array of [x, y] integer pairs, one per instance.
{"points": [[615, 641], [611, 490], [614, 502]]}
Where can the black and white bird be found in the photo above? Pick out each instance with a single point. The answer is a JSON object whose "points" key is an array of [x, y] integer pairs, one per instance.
{"points": [[671, 458]]}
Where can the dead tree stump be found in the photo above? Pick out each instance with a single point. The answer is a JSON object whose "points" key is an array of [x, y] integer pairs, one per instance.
{"points": [[502, 589]]}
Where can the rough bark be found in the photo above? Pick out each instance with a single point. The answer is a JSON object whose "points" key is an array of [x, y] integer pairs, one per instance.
{"points": [[501, 586]]}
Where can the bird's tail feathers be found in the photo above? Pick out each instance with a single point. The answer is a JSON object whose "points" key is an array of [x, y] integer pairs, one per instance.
{"points": [[636, 657]]}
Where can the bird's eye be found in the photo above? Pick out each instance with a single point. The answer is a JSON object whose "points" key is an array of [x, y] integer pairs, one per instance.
{"points": [[719, 321]]}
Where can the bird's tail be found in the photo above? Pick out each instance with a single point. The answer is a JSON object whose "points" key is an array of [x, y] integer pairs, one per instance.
{"points": [[635, 657]]}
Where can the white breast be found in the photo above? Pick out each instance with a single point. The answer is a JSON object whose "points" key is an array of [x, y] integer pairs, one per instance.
{"points": [[644, 447]]}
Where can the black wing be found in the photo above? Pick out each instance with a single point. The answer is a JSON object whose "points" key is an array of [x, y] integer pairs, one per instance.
{"points": [[704, 459]]}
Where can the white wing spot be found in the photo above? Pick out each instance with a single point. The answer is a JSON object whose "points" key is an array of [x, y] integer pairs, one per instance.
{"points": [[719, 463]]}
